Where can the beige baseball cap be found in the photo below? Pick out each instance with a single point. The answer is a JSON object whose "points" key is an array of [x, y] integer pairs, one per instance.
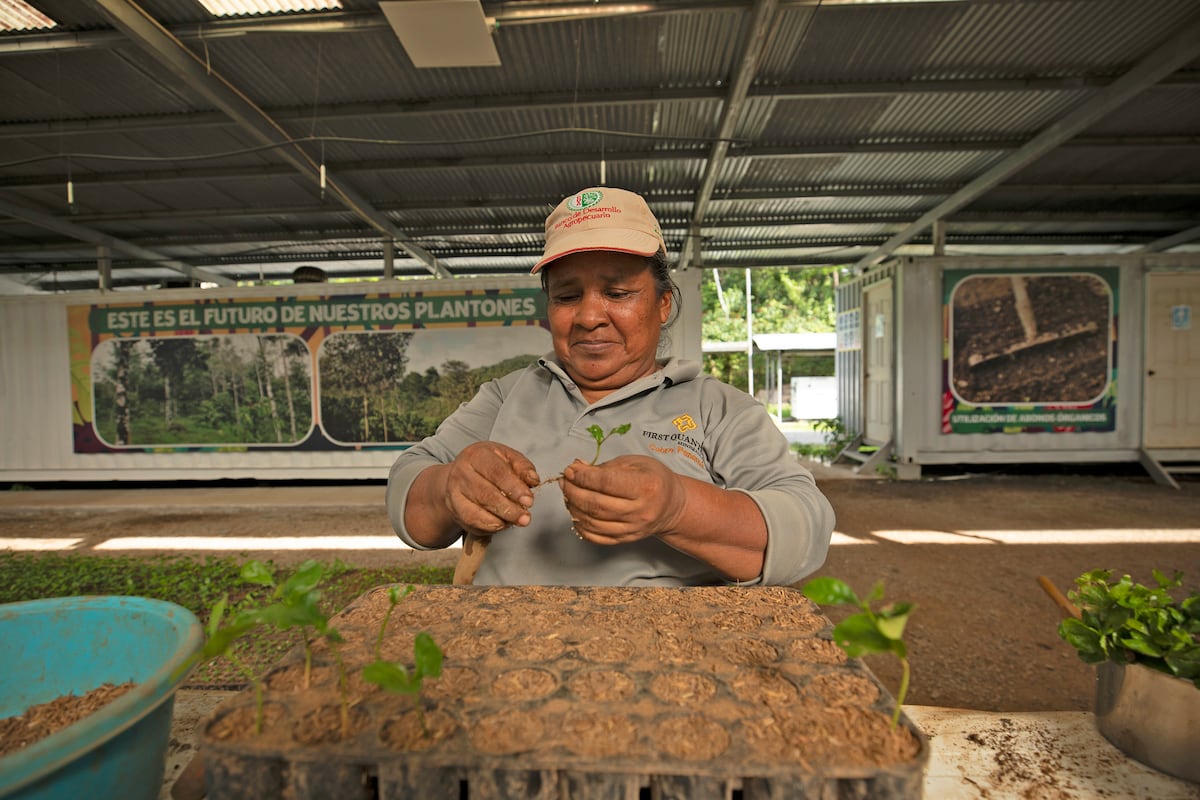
{"points": [[601, 218]]}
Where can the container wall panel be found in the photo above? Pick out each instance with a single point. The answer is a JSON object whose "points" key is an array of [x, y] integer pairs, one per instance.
{"points": [[848, 356]]}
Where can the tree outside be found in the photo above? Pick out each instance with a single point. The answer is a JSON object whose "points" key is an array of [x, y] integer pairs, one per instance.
{"points": [[783, 300]]}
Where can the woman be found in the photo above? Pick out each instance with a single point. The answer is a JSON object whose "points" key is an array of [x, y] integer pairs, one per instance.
{"points": [[701, 489]]}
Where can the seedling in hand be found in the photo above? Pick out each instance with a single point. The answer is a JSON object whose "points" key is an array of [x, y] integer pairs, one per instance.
{"points": [[601, 437], [867, 631], [394, 677]]}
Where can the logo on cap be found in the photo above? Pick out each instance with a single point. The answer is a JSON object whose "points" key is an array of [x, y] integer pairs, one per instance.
{"points": [[583, 200]]}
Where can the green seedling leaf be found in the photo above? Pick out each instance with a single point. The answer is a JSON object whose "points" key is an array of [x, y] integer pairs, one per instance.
{"points": [[1084, 639], [258, 572], [600, 436], [391, 677], [304, 580], [891, 620], [1139, 645], [1185, 665], [428, 656], [857, 635], [867, 631], [218, 613], [284, 616], [830, 592], [219, 641]]}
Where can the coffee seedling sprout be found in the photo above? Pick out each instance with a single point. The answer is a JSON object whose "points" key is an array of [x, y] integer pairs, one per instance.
{"points": [[394, 677], [601, 437], [219, 639], [296, 606], [867, 631]]}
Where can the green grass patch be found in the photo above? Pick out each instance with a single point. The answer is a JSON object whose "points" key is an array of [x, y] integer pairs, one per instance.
{"points": [[196, 585]]}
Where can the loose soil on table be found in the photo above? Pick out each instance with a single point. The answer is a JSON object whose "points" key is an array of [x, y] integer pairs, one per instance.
{"points": [[983, 634]]}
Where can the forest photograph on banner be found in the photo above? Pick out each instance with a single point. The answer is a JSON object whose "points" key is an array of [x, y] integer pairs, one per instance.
{"points": [[317, 373]]}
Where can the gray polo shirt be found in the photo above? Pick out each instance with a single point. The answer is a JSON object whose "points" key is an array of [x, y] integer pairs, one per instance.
{"points": [[692, 422]]}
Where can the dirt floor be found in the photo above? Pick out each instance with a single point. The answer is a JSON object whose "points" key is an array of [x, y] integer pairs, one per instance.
{"points": [[966, 549]]}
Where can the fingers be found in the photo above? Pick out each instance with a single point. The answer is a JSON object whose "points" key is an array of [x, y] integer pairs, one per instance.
{"points": [[623, 500], [488, 489]]}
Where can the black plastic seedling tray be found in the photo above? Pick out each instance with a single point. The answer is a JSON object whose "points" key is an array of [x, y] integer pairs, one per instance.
{"points": [[580, 693]]}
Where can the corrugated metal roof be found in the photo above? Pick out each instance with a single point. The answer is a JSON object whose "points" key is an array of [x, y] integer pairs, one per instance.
{"points": [[850, 121]]}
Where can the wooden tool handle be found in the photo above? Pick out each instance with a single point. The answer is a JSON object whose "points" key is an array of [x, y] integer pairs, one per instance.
{"points": [[1066, 605]]}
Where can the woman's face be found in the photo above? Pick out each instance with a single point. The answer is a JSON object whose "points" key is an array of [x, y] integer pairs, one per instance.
{"points": [[605, 316]]}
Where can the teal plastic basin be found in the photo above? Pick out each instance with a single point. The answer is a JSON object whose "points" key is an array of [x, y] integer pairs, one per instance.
{"points": [[71, 645]]}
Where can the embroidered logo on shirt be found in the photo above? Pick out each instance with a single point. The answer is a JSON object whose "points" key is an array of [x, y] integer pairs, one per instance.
{"points": [[684, 423], [678, 442]]}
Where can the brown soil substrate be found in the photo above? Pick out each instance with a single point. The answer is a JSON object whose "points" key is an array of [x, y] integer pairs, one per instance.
{"points": [[700, 681], [44, 719]]}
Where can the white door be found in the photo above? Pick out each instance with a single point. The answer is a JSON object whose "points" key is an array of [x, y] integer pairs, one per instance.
{"points": [[1172, 382], [877, 358]]}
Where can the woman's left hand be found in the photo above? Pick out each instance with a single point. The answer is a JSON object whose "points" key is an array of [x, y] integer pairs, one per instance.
{"points": [[623, 500]]}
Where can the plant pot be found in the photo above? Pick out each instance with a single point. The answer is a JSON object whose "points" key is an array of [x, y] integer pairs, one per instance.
{"points": [[1150, 715], [71, 645]]}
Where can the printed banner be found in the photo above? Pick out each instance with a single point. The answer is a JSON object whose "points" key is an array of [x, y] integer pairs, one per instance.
{"points": [[1029, 352], [318, 373]]}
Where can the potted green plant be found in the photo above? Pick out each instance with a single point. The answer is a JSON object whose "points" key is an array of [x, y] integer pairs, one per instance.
{"points": [[1145, 641]]}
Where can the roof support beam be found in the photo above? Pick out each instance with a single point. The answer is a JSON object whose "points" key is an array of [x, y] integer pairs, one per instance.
{"points": [[1167, 242], [577, 158], [1174, 53], [762, 18], [152, 37], [83, 234], [514, 102]]}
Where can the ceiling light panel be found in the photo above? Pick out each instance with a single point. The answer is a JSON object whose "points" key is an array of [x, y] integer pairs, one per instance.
{"points": [[443, 33]]}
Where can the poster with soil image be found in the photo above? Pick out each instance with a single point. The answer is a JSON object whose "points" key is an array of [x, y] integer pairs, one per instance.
{"points": [[314, 373], [1029, 352]]}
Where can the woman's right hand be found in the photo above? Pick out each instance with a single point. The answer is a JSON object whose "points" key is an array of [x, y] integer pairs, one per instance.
{"points": [[488, 488]]}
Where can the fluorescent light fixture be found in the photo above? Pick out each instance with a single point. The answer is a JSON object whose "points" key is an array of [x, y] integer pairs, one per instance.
{"points": [[18, 16], [443, 33], [249, 8]]}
